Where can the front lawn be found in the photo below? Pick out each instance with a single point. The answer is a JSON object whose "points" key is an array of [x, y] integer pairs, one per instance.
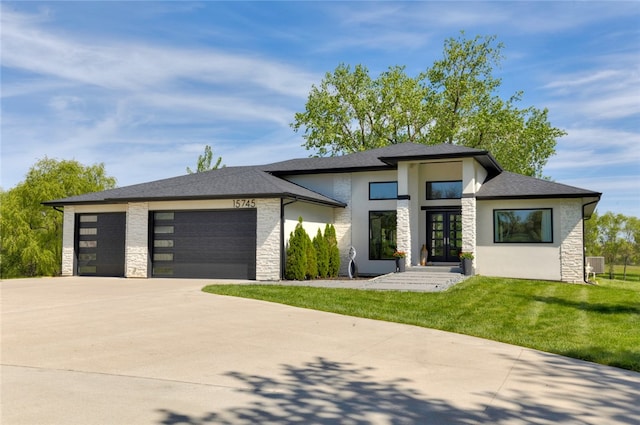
{"points": [[595, 323]]}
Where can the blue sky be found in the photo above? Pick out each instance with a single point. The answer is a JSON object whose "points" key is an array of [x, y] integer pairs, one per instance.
{"points": [[144, 86]]}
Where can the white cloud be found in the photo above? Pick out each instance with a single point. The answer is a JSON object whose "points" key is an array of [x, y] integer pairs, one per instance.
{"points": [[133, 66]]}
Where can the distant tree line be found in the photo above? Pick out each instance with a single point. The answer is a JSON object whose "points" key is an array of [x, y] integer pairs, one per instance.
{"points": [[615, 237]]}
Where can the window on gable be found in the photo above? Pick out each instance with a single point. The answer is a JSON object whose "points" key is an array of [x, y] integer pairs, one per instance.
{"points": [[444, 190], [382, 235], [523, 226], [383, 190]]}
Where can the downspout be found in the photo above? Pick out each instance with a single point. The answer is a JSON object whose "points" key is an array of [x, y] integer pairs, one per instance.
{"points": [[584, 248]]}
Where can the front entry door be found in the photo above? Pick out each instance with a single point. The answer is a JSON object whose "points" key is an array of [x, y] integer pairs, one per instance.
{"points": [[444, 235]]}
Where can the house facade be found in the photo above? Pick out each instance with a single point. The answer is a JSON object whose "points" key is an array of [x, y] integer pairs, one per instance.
{"points": [[234, 222]]}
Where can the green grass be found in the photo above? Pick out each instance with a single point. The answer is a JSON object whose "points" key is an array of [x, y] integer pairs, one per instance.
{"points": [[595, 323], [633, 273]]}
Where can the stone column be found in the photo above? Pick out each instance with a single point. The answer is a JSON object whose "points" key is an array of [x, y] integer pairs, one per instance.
{"points": [[403, 229], [469, 225], [268, 255], [571, 247], [137, 240], [68, 239]]}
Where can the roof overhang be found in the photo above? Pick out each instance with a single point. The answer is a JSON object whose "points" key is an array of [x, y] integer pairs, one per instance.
{"points": [[110, 201], [589, 201], [484, 158]]}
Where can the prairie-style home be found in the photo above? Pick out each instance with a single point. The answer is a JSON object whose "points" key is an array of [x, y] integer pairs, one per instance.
{"points": [[235, 222]]}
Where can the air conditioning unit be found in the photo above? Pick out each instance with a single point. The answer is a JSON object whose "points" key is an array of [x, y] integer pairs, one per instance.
{"points": [[597, 264]]}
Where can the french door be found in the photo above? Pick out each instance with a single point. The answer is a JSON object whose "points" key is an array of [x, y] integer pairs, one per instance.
{"points": [[444, 235]]}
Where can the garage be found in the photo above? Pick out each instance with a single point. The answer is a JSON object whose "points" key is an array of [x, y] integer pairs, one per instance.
{"points": [[218, 244], [100, 244]]}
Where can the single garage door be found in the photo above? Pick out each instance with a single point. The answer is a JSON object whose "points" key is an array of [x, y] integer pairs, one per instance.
{"points": [[100, 244], [217, 244]]}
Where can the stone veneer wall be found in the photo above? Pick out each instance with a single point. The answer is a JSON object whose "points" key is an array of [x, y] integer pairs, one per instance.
{"points": [[268, 239], [342, 219], [68, 236], [571, 248], [137, 240], [403, 229], [469, 225]]}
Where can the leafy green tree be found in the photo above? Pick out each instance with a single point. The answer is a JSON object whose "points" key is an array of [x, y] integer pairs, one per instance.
{"points": [[296, 264], [455, 101], [334, 252], [630, 246], [32, 233], [591, 234], [610, 228], [204, 161], [322, 253]]}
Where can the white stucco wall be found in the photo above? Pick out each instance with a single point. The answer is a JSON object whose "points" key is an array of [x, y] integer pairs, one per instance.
{"points": [[361, 205], [314, 217], [560, 260]]}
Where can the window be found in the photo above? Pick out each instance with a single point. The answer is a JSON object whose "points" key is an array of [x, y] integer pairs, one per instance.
{"points": [[88, 257], [523, 226], [383, 190], [382, 235], [87, 269], [163, 229], [163, 243], [444, 190], [163, 256], [163, 215]]}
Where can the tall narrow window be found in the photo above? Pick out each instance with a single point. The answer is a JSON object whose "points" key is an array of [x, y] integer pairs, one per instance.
{"points": [[382, 235], [523, 226]]}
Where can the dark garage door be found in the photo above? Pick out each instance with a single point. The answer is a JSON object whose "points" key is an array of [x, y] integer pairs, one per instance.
{"points": [[204, 244], [100, 244]]}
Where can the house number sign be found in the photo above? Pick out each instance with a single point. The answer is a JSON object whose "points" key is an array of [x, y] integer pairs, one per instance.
{"points": [[244, 203]]}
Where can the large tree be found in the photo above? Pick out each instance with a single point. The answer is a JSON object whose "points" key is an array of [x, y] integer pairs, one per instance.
{"points": [[32, 233], [455, 101]]}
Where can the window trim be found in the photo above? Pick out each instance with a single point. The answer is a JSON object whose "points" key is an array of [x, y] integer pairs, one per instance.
{"points": [[384, 182], [495, 239], [427, 191], [369, 229]]}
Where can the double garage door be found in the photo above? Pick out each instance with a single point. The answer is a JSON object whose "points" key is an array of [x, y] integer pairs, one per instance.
{"points": [[183, 244]]}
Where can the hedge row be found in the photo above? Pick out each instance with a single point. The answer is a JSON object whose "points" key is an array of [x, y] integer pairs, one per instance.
{"points": [[307, 259]]}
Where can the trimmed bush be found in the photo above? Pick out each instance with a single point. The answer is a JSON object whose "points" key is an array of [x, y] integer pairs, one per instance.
{"points": [[322, 254], [334, 252], [296, 264], [312, 261]]}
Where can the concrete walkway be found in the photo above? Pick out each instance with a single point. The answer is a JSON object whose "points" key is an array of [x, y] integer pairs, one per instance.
{"points": [[121, 351], [415, 279]]}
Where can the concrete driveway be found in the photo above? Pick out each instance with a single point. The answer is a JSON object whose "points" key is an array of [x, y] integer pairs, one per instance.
{"points": [[117, 351]]}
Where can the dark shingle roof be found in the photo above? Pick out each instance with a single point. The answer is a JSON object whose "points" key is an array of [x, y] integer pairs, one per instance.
{"points": [[381, 158], [225, 182], [512, 185], [263, 181]]}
